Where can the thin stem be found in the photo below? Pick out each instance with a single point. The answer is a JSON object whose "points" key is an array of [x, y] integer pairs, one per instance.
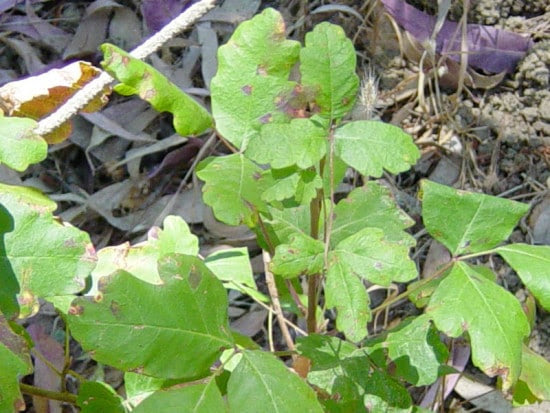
{"points": [[44, 360], [312, 281], [48, 394], [266, 235], [420, 285], [274, 294]]}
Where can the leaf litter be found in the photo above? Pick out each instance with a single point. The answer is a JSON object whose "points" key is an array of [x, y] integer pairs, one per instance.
{"points": [[115, 175]]}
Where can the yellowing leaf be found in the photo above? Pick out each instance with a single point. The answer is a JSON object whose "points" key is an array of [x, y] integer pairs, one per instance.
{"points": [[37, 96]]}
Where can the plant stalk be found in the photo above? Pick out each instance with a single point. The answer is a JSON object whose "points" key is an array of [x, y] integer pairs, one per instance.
{"points": [[48, 394], [312, 281]]}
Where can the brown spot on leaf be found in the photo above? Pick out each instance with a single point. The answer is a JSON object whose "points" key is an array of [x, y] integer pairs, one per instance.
{"points": [[502, 371], [76, 310], [266, 118], [125, 60], [148, 94], [98, 297], [256, 176], [247, 90], [261, 70], [114, 307], [195, 278]]}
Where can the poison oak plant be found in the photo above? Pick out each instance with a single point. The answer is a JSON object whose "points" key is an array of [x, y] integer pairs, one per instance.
{"points": [[160, 315]]}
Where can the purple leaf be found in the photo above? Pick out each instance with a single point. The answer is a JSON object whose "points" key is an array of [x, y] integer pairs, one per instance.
{"points": [[157, 13], [490, 49]]}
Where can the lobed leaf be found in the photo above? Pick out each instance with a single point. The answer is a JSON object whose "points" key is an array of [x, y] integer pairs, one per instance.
{"points": [[251, 88], [200, 397], [416, 350], [20, 146], [327, 63], [467, 301], [303, 255], [232, 188], [300, 142], [466, 222], [329, 370], [141, 260], [370, 206], [370, 255], [532, 263], [372, 146], [347, 374], [16, 362], [291, 184], [283, 223], [345, 292], [39, 256], [174, 330], [261, 382], [139, 78]]}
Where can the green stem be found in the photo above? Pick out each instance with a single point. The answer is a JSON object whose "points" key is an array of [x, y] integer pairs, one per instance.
{"points": [[48, 394], [312, 281], [406, 293]]}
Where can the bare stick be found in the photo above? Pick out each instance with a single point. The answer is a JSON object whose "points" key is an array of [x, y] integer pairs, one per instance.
{"points": [[81, 98], [270, 280]]}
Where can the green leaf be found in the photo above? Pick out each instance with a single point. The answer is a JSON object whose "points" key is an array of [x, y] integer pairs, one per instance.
{"points": [[346, 372], [327, 63], [232, 188], [136, 326], [326, 354], [291, 183], [467, 301], [288, 221], [384, 393], [139, 78], [138, 387], [20, 146], [535, 374], [16, 362], [141, 259], [201, 397], [346, 292], [370, 206], [39, 256], [372, 146], [303, 255], [416, 350], [251, 88], [98, 397], [370, 255], [329, 371], [300, 142], [532, 263], [232, 265], [274, 388], [467, 222]]}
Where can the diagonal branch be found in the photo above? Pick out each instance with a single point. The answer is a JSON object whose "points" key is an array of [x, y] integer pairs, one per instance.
{"points": [[81, 98]]}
